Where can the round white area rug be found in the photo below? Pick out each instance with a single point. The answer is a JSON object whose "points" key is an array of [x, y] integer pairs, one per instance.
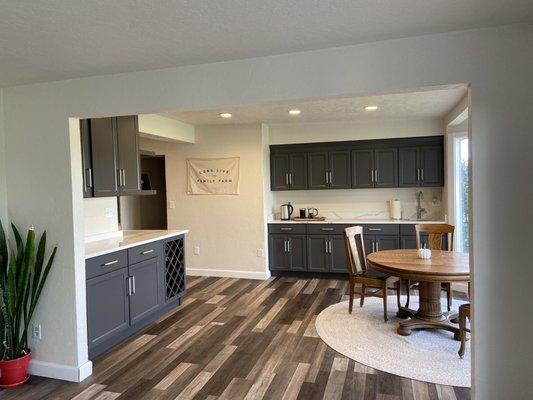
{"points": [[425, 355]]}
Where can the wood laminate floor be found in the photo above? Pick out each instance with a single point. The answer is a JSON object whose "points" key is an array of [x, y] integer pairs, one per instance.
{"points": [[237, 339]]}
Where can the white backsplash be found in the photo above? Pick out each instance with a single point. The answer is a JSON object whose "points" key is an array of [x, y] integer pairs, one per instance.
{"points": [[100, 215], [362, 203]]}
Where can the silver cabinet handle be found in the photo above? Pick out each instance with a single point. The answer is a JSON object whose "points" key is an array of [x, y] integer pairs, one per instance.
{"points": [[377, 246], [422, 174], [285, 245], [123, 177], [418, 174], [373, 246], [327, 177], [287, 178], [376, 176], [289, 246], [372, 175], [147, 252], [119, 175], [329, 245], [89, 177], [129, 286], [107, 264], [326, 247], [285, 229], [374, 229], [290, 178], [327, 229], [133, 284]]}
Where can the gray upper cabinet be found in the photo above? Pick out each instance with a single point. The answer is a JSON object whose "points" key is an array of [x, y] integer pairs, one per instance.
{"points": [[409, 175], [104, 157], [421, 166], [363, 168], [128, 155], [386, 168], [318, 170], [86, 158], [340, 174], [288, 171]]}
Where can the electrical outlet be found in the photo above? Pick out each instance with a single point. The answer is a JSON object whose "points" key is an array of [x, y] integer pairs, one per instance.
{"points": [[109, 212], [36, 331], [171, 204], [196, 250], [260, 253]]}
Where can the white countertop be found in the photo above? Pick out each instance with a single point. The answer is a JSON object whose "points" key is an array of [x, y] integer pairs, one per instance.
{"points": [[127, 240], [358, 221]]}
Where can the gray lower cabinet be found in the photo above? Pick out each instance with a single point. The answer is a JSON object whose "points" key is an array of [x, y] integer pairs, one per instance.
{"points": [[326, 253], [128, 289], [287, 252]]}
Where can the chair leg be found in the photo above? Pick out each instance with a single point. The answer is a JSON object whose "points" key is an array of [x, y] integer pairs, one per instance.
{"points": [[462, 334], [350, 307], [384, 290], [362, 301], [449, 295], [398, 292], [408, 293]]}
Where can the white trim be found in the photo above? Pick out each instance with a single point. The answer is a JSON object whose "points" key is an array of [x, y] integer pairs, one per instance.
{"points": [[61, 371], [103, 236], [228, 273]]}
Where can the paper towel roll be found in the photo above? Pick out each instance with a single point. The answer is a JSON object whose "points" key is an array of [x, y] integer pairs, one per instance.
{"points": [[395, 209]]}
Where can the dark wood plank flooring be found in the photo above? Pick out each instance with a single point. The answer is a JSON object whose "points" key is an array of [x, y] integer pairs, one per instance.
{"points": [[237, 339]]}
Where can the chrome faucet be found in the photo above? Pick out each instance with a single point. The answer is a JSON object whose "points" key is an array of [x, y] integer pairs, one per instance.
{"points": [[419, 209]]}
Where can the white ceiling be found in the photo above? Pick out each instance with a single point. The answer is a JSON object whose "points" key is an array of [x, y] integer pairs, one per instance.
{"points": [[60, 39], [415, 105]]}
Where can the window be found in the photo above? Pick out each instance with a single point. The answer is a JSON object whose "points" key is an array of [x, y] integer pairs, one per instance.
{"points": [[461, 145]]}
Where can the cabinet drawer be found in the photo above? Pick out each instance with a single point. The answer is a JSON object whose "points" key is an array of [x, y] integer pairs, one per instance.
{"points": [[326, 229], [381, 229], [103, 264], [407, 229], [286, 228], [144, 252]]}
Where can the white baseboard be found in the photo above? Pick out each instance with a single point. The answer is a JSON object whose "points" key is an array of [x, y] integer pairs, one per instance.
{"points": [[61, 371], [227, 273]]}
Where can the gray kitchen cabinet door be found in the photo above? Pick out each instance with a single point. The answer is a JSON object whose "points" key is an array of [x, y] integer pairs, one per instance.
{"points": [[340, 169], [431, 166], [86, 159], [338, 254], [279, 172], [318, 170], [104, 160], [317, 254], [278, 252], [297, 252], [298, 171], [408, 242], [107, 306], [128, 154], [145, 295], [362, 167], [369, 243], [386, 168], [408, 168], [384, 242]]}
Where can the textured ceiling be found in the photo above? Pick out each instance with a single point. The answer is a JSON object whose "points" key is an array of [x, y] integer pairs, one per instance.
{"points": [[427, 104], [60, 39]]}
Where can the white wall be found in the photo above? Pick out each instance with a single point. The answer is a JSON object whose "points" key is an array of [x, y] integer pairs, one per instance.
{"points": [[100, 215], [228, 228], [3, 188], [498, 64]]}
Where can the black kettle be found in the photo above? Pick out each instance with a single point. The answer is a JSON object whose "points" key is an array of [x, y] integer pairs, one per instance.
{"points": [[286, 211]]}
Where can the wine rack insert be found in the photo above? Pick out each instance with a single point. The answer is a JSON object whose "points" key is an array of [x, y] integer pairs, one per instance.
{"points": [[174, 268]]}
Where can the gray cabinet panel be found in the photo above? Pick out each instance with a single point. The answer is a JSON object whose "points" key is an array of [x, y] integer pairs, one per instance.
{"points": [[104, 160], [317, 256], [408, 242], [86, 159], [340, 169], [128, 154], [144, 252], [338, 254], [318, 168], [106, 263], [298, 171], [431, 166], [408, 167], [386, 170], [277, 252], [279, 171], [384, 242], [107, 306], [369, 243], [297, 252], [362, 167], [146, 296]]}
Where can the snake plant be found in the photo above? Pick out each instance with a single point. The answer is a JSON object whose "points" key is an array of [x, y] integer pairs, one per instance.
{"points": [[23, 274]]}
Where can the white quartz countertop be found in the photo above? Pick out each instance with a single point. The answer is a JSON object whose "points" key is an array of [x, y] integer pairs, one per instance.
{"points": [[127, 240], [358, 221]]}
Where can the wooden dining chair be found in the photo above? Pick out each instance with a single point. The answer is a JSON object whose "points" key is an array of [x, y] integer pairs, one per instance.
{"points": [[359, 272], [435, 241], [464, 313]]}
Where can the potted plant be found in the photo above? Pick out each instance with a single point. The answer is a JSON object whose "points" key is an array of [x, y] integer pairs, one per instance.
{"points": [[23, 274]]}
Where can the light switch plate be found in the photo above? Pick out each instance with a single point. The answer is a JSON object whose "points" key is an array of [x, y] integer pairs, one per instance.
{"points": [[109, 212], [196, 250], [171, 204]]}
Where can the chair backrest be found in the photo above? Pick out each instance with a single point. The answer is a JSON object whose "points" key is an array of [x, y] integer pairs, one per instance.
{"points": [[435, 234], [355, 250]]}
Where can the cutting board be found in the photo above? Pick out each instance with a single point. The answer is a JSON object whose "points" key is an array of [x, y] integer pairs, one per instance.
{"points": [[309, 219]]}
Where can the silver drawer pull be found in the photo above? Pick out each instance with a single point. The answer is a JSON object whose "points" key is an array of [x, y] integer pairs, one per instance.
{"points": [[147, 252], [374, 229], [327, 229], [107, 264], [286, 229]]}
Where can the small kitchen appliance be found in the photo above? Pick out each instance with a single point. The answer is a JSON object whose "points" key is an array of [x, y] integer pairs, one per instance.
{"points": [[312, 212], [286, 211]]}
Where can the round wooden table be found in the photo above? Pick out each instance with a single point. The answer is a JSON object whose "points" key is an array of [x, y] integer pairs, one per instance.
{"points": [[443, 266]]}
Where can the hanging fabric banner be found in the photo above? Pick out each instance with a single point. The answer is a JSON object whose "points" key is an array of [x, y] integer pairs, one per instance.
{"points": [[213, 176]]}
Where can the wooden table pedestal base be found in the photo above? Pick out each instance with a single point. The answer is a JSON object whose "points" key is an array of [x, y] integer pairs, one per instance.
{"points": [[429, 314]]}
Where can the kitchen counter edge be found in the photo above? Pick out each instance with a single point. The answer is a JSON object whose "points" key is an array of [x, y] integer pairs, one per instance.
{"points": [[356, 221]]}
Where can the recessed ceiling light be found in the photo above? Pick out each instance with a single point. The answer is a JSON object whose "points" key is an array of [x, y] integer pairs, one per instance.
{"points": [[295, 112], [226, 115], [371, 108]]}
